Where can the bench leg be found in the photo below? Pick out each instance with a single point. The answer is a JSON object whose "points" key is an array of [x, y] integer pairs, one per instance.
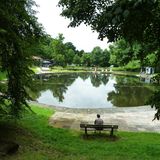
{"points": [[85, 131], [111, 133]]}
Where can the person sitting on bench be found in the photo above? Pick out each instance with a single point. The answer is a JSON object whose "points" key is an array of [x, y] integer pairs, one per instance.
{"points": [[98, 121]]}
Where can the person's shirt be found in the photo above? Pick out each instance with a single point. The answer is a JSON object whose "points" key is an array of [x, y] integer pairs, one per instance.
{"points": [[98, 121]]}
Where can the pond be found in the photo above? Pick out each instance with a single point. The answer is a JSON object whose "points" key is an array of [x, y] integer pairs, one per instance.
{"points": [[89, 90]]}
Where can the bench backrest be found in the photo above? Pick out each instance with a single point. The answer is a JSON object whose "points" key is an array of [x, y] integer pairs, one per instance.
{"points": [[98, 126]]}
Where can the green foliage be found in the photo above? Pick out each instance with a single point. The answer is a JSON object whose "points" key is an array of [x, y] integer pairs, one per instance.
{"points": [[86, 59], [156, 78], [19, 31], [118, 69], [55, 48], [69, 45], [133, 65], [121, 52], [69, 56], [150, 60], [59, 51], [96, 56], [155, 103], [105, 58], [113, 19], [64, 54], [76, 60], [99, 57], [43, 48], [2, 76]]}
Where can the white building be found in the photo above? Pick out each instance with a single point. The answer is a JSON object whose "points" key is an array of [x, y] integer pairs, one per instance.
{"points": [[149, 70]]}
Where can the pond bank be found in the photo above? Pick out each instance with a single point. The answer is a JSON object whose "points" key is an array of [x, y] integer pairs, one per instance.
{"points": [[128, 118], [137, 119]]}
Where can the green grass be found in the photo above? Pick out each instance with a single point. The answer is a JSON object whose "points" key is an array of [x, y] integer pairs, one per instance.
{"points": [[132, 66], [35, 69], [39, 141], [70, 69], [59, 69], [125, 73]]}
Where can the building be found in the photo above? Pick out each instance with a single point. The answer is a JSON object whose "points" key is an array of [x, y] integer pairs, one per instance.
{"points": [[149, 70]]}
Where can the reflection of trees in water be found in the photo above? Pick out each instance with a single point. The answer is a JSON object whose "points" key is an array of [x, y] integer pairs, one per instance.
{"points": [[124, 96], [57, 83], [128, 80], [98, 79], [129, 91], [84, 76], [105, 79]]}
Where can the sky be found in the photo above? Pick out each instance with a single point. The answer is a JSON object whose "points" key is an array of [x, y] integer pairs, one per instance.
{"points": [[82, 37]]}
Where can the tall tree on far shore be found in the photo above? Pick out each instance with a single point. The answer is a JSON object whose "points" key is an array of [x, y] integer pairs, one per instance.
{"points": [[59, 50]]}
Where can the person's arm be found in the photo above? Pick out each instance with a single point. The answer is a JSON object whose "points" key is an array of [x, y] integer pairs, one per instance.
{"points": [[102, 122]]}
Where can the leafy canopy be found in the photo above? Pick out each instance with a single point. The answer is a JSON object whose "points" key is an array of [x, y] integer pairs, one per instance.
{"points": [[113, 19], [19, 31]]}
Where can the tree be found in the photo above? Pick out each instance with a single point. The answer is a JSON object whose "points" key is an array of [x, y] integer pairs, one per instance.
{"points": [[134, 20], [70, 52], [19, 31], [80, 53], [69, 45], [121, 52], [99, 57], [59, 50], [96, 56], [77, 60], [69, 56], [43, 48], [86, 59], [105, 58], [151, 59]]}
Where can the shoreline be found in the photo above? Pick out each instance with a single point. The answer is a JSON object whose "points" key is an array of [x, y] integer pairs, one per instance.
{"points": [[133, 119], [93, 110]]}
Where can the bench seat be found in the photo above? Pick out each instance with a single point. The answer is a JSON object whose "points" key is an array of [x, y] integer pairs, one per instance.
{"points": [[94, 127]]}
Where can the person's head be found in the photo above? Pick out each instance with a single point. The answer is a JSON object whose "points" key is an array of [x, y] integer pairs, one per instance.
{"points": [[98, 116]]}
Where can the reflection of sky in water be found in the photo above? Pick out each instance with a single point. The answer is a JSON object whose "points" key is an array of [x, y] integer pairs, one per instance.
{"points": [[81, 94], [111, 90]]}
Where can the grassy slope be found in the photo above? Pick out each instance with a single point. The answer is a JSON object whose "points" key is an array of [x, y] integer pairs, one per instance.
{"points": [[39, 141]]}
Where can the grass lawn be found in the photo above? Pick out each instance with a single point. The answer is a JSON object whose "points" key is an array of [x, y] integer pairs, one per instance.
{"points": [[39, 141], [72, 69], [58, 69]]}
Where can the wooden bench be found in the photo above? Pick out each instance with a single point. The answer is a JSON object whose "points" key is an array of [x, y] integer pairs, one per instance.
{"points": [[94, 127]]}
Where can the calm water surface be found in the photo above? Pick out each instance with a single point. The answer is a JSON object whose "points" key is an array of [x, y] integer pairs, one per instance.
{"points": [[88, 90]]}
